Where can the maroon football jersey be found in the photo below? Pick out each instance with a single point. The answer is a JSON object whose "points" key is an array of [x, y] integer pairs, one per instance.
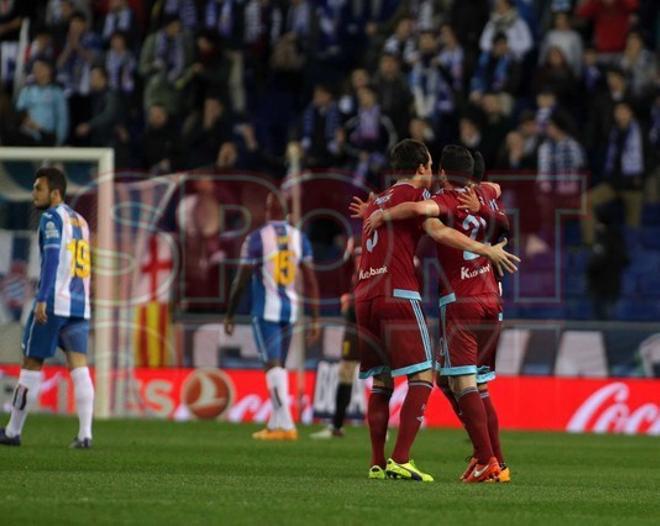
{"points": [[387, 255], [466, 274]]}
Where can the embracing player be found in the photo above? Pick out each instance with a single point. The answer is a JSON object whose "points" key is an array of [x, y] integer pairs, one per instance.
{"points": [[61, 310], [470, 306], [393, 336]]}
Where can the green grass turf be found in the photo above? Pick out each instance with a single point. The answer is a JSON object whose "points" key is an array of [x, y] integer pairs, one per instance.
{"points": [[154, 472]]}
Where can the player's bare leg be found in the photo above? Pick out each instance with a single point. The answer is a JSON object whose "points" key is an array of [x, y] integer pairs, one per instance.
{"points": [[467, 394], [400, 465], [494, 432], [83, 389], [378, 417], [24, 399]]}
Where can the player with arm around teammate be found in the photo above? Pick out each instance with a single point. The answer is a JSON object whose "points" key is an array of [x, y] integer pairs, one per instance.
{"points": [[270, 259], [61, 311], [393, 336], [470, 312]]}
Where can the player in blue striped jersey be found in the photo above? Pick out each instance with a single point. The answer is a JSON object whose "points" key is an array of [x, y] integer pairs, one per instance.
{"points": [[271, 257], [61, 310]]}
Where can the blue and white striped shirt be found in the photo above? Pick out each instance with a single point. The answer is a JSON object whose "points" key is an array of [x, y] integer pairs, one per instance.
{"points": [[277, 249]]}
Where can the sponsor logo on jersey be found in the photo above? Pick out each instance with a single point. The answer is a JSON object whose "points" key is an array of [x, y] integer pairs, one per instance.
{"points": [[383, 199], [466, 273], [51, 231], [366, 274]]}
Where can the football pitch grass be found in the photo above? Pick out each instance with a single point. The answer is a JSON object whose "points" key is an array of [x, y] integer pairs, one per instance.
{"points": [[155, 472]]}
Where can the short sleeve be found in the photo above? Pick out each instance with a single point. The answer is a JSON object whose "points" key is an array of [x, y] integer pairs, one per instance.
{"points": [[50, 230], [251, 252], [307, 253]]}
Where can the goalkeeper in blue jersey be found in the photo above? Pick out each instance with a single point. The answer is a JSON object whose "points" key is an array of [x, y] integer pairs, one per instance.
{"points": [[61, 313]]}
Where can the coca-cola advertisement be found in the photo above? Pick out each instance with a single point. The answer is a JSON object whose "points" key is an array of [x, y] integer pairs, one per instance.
{"points": [[523, 402]]}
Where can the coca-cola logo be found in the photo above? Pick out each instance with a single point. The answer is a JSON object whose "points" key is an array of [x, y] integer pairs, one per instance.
{"points": [[608, 410]]}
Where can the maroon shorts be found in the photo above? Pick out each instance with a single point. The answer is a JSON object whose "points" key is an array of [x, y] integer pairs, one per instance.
{"points": [[469, 333], [393, 335]]}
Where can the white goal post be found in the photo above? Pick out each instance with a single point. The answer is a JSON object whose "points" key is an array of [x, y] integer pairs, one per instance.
{"points": [[104, 261]]}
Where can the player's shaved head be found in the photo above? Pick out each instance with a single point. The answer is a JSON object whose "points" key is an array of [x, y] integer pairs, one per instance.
{"points": [[406, 157], [55, 178]]}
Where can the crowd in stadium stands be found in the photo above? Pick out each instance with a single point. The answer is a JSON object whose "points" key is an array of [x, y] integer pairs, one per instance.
{"points": [[184, 84]]}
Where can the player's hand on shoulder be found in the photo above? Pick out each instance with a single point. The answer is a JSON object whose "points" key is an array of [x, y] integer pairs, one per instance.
{"points": [[496, 187], [358, 207], [40, 312], [469, 201], [372, 222]]}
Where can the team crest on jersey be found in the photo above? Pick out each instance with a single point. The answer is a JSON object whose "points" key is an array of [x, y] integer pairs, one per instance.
{"points": [[426, 194], [383, 199], [51, 231]]}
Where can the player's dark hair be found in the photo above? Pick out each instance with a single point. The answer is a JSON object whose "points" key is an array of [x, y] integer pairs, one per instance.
{"points": [[406, 156], [457, 160], [479, 166], [55, 177]]}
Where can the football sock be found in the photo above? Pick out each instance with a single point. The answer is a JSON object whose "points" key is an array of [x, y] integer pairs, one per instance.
{"points": [[278, 383], [378, 416], [342, 399], [493, 425], [25, 396], [474, 417], [410, 418], [273, 421], [84, 393], [451, 398]]}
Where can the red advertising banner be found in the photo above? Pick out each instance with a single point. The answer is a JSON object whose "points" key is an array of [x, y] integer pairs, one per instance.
{"points": [[523, 402]]}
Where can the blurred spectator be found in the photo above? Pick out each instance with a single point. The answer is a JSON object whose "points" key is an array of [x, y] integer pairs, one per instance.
{"points": [[505, 19], [611, 19], [74, 66], [546, 104], [592, 76], [121, 66], [348, 102], [106, 112], [601, 115], [42, 46], [433, 96], [165, 57], [555, 75], [393, 92], [422, 131], [368, 136], [159, 142], [211, 70], [560, 156], [47, 118], [565, 38], [184, 10], [120, 17], [321, 123], [468, 18], [402, 43], [496, 109], [639, 64], [207, 135], [472, 136], [521, 145], [451, 58], [58, 18], [12, 13], [497, 70], [606, 263]]}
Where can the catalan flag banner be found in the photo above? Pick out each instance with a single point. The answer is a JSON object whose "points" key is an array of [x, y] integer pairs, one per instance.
{"points": [[152, 335]]}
